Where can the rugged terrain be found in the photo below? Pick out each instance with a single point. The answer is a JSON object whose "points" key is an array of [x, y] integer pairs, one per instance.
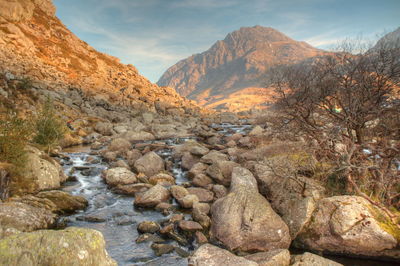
{"points": [[231, 74]]}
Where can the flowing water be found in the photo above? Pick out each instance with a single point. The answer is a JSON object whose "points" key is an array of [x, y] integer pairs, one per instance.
{"points": [[115, 216]]}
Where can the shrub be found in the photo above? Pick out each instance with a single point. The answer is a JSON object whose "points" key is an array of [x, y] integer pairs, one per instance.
{"points": [[24, 84], [50, 129], [14, 136]]}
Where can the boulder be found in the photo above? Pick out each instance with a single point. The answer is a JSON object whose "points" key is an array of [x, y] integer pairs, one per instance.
{"points": [[132, 156], [244, 220], [221, 171], [198, 168], [134, 136], [191, 146], [219, 191], [132, 189], [63, 201], [204, 195], [309, 259], [200, 238], [162, 179], [148, 227], [161, 249], [277, 257], [178, 192], [188, 160], [104, 128], [293, 196], [189, 226], [214, 156], [188, 201], [349, 225], [72, 246], [119, 176], [119, 145], [20, 217], [152, 197], [256, 131], [150, 164], [209, 255], [201, 180]]}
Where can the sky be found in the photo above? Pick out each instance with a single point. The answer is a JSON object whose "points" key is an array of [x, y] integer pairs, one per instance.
{"points": [[155, 34]]}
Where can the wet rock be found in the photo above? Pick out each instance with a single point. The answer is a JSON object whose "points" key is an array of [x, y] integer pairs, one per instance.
{"points": [[201, 180], [341, 224], [119, 176], [148, 227], [132, 156], [164, 207], [188, 160], [72, 246], [181, 252], [161, 249], [176, 218], [277, 257], [149, 238], [221, 172], [214, 156], [162, 179], [119, 145], [189, 226], [152, 197], [167, 229], [197, 169], [295, 198], [150, 164], [244, 220], [178, 192], [204, 195], [91, 219], [219, 191], [188, 201], [63, 201], [132, 189], [20, 217], [200, 238], [209, 255], [309, 259], [177, 237]]}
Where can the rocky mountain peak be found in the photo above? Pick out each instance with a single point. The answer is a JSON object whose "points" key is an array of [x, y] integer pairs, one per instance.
{"points": [[237, 63], [22, 10]]}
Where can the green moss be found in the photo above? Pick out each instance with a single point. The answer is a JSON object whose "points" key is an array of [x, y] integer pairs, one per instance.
{"points": [[385, 222]]}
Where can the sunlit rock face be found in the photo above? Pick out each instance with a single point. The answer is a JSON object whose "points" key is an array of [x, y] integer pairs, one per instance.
{"points": [[231, 74]]}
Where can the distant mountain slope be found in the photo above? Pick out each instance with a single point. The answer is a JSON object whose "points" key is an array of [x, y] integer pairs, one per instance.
{"points": [[34, 43], [237, 63]]}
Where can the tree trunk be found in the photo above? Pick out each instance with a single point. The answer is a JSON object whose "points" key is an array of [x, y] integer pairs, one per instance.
{"points": [[360, 135]]}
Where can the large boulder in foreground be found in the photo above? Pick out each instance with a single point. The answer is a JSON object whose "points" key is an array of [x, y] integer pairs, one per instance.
{"points": [[293, 196], [150, 164], [18, 217], [244, 220], [350, 225], [72, 246], [209, 255]]}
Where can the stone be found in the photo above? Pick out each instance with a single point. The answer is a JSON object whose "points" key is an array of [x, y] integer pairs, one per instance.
{"points": [[132, 156], [309, 259], [191, 146], [189, 226], [201, 180], [219, 191], [214, 156], [119, 176], [150, 164], [110, 156], [148, 227], [188, 201], [104, 128], [256, 131], [164, 206], [209, 255], [161, 249], [202, 208], [188, 160], [149, 238], [197, 169], [349, 225], [203, 194], [152, 197], [181, 252], [20, 217], [178, 192], [162, 179], [276, 257], [295, 197], [72, 246], [134, 136], [200, 238], [119, 145], [176, 218], [244, 220], [132, 189], [221, 172], [63, 201]]}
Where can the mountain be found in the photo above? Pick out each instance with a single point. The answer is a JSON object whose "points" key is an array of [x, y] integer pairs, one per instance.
{"points": [[391, 39], [35, 44], [231, 74]]}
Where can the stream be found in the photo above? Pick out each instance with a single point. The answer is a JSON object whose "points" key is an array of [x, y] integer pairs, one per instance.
{"points": [[115, 216]]}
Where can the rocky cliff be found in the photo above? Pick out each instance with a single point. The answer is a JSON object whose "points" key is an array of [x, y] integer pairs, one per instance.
{"points": [[35, 44], [230, 74]]}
